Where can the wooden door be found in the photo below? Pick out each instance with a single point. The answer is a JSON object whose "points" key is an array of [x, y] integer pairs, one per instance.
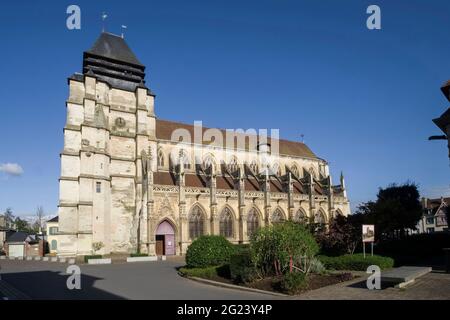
{"points": [[159, 245]]}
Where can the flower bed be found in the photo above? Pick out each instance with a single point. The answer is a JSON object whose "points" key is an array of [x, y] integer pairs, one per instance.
{"points": [[272, 284]]}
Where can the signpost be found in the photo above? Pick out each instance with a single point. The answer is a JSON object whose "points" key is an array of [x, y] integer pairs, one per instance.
{"points": [[368, 235]]}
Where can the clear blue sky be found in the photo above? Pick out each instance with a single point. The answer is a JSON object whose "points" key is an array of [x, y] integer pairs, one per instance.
{"points": [[363, 99]]}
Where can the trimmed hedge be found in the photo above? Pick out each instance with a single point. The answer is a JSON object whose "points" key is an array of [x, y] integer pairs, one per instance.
{"points": [[242, 269], [356, 262], [207, 273], [137, 255], [97, 256], [209, 251]]}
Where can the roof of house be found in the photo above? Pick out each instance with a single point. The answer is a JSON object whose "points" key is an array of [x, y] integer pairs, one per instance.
{"points": [[55, 219], [114, 47], [18, 236], [435, 204], [165, 129]]}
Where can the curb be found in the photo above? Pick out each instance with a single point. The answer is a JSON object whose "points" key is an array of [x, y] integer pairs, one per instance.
{"points": [[99, 261], [43, 259], [142, 259], [236, 287]]}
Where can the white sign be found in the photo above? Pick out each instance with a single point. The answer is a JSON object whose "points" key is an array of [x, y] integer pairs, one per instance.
{"points": [[368, 233]]}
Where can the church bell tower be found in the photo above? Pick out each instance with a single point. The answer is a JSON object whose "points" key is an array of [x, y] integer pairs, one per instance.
{"points": [[110, 121]]}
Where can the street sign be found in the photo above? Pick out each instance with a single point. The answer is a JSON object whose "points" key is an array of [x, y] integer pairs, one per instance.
{"points": [[368, 233]]}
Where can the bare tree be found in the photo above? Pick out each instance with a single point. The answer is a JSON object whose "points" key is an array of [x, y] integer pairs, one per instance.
{"points": [[9, 218], [39, 219]]}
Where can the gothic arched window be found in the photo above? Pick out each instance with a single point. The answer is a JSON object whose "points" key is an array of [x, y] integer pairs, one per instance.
{"points": [[226, 223], [186, 161], [295, 171], [160, 158], [277, 216], [252, 222], [276, 169], [233, 165], [196, 219], [300, 217], [254, 167], [319, 218], [208, 161]]}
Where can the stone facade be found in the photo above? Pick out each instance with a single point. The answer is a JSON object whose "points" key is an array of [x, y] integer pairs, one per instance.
{"points": [[120, 175]]}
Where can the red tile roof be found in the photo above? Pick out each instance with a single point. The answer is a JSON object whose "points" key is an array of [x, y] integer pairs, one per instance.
{"points": [[164, 130]]}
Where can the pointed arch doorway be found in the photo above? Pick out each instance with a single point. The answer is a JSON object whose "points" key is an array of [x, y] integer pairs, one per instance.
{"points": [[165, 239]]}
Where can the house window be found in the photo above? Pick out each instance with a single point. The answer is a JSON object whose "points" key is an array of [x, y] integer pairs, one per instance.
{"points": [[430, 230], [98, 187], [226, 223], [430, 220], [53, 231], [196, 223], [54, 245]]}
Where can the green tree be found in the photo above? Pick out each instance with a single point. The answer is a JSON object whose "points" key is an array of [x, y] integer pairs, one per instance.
{"points": [[22, 225], [397, 208]]}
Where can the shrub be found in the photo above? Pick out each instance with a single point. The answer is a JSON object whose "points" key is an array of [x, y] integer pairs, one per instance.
{"points": [[281, 247], [356, 262], [316, 266], [208, 251], [241, 267], [97, 246], [137, 255], [342, 237], [293, 282], [97, 256], [207, 273]]}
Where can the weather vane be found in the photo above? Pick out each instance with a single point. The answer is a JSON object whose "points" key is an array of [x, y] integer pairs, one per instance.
{"points": [[123, 30], [104, 16]]}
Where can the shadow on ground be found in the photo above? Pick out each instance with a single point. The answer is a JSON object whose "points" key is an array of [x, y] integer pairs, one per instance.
{"points": [[49, 285]]}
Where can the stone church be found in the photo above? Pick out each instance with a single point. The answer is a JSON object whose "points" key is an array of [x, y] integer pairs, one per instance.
{"points": [[129, 179]]}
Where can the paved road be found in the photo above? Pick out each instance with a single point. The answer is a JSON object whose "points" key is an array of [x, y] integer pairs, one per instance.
{"points": [[156, 280], [159, 280]]}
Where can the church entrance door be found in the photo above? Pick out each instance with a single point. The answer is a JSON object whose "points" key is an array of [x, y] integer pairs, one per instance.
{"points": [[165, 239]]}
